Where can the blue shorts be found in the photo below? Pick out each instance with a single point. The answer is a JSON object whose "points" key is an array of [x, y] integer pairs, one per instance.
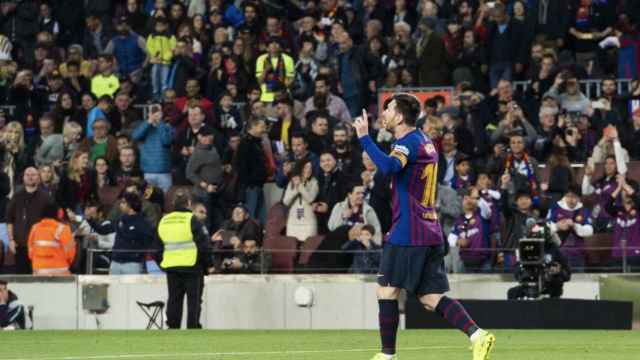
{"points": [[417, 269]]}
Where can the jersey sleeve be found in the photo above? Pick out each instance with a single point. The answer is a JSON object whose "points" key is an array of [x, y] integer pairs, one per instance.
{"points": [[387, 164]]}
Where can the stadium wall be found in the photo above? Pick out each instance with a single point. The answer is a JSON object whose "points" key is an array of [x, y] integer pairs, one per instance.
{"points": [[245, 302]]}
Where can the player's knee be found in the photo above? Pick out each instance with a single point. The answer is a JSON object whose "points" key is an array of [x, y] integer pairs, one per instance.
{"points": [[430, 301], [388, 293]]}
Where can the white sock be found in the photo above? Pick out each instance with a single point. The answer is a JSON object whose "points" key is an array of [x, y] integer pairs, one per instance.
{"points": [[475, 335]]}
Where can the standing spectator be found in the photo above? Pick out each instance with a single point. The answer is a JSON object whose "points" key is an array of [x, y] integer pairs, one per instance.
{"points": [[204, 170], [366, 259], [506, 46], [323, 99], [299, 152], [134, 236], [105, 82], [349, 158], [631, 135], [431, 56], [96, 37], [126, 118], [137, 18], [183, 68], [101, 144], [588, 27], [287, 124], [471, 232], [24, 210], [160, 46], [186, 139], [522, 169], [551, 19], [129, 49], [566, 91], [12, 314], [76, 187], [5, 189], [331, 189], [274, 67], [250, 164], [299, 195], [19, 21], [15, 155], [571, 221], [52, 248], [623, 205], [155, 138], [127, 167], [602, 188]]}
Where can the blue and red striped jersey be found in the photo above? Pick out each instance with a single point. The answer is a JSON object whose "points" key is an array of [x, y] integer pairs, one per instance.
{"points": [[413, 164]]}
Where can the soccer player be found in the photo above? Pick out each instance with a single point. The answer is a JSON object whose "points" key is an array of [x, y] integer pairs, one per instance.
{"points": [[412, 257]]}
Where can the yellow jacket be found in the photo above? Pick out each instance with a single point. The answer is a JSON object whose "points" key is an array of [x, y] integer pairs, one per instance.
{"points": [[160, 45]]}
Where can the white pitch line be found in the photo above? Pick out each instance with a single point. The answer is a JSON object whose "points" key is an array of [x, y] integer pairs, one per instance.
{"points": [[216, 354]]}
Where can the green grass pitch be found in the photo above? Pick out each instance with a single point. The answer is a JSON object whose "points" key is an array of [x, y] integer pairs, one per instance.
{"points": [[311, 345]]}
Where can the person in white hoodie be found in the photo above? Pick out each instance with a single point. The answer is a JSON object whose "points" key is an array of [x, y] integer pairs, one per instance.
{"points": [[571, 222], [301, 192]]}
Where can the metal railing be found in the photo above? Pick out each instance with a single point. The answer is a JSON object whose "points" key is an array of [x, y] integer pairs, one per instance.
{"points": [[591, 88], [594, 258]]}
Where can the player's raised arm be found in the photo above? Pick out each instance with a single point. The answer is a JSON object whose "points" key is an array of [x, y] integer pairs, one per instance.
{"points": [[385, 163]]}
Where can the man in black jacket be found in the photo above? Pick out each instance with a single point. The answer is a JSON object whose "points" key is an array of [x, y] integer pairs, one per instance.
{"points": [[506, 47], [332, 190], [251, 167], [19, 22]]}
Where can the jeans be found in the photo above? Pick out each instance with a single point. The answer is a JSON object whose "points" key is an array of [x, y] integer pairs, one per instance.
{"points": [[159, 74], [500, 71], [128, 268], [163, 181], [254, 200]]}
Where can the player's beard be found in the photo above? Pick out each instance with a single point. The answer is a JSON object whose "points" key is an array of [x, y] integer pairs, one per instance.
{"points": [[390, 124]]}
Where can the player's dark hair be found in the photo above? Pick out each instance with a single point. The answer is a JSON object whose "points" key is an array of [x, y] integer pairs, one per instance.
{"points": [[407, 105], [369, 228]]}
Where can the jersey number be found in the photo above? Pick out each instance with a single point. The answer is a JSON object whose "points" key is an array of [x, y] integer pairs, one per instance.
{"points": [[430, 178]]}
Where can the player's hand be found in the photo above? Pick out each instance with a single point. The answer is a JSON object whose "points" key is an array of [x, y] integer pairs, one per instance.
{"points": [[362, 124]]}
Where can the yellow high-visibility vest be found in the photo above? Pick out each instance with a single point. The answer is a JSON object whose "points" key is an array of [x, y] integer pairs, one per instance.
{"points": [[175, 232]]}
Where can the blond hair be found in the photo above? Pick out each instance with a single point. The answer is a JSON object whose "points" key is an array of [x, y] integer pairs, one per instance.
{"points": [[71, 131], [19, 144], [75, 172]]}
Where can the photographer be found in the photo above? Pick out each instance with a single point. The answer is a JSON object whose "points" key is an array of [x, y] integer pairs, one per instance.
{"points": [[570, 220], [11, 312], [514, 123], [567, 91], [555, 271]]}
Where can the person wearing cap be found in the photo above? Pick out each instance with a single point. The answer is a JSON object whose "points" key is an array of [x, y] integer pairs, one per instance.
{"points": [[571, 221], [274, 67], [129, 49], [204, 170]]}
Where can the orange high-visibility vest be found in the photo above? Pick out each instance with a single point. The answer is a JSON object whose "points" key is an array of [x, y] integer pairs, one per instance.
{"points": [[51, 247]]}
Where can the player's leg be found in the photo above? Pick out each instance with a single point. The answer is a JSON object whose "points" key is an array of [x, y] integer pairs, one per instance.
{"points": [[388, 318], [451, 310]]}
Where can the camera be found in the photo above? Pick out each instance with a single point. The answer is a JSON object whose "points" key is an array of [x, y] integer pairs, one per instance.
{"points": [[541, 268]]}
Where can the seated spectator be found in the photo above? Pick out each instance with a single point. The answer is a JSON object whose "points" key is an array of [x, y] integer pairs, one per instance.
{"points": [[366, 256], [323, 99], [193, 98], [355, 211], [134, 237], [154, 137], [377, 191], [12, 314], [566, 90], [471, 232], [299, 196], [571, 221], [101, 144], [102, 174], [624, 206], [248, 260]]}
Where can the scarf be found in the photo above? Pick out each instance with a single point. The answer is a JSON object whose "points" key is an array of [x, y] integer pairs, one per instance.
{"points": [[276, 74], [533, 186]]}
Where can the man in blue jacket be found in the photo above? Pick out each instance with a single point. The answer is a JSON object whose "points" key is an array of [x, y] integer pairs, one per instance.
{"points": [[154, 137]]}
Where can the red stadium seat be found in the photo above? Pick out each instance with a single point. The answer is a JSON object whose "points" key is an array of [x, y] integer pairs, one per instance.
{"points": [[308, 247]]}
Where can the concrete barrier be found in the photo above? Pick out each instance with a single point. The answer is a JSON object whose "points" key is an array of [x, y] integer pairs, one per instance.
{"points": [[246, 301]]}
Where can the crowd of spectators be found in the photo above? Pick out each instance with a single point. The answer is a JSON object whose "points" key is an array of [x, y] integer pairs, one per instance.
{"points": [[239, 94]]}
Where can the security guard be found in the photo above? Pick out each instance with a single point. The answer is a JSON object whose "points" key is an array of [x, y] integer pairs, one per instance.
{"points": [[51, 245], [184, 241]]}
